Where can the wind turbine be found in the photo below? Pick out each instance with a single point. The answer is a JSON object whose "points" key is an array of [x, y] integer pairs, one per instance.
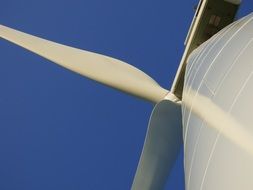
{"points": [[126, 78], [164, 135]]}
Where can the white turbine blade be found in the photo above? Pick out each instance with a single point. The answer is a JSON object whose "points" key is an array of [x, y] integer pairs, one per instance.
{"points": [[106, 70], [162, 145]]}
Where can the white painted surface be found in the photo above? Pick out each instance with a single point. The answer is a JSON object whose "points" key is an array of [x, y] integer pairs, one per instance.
{"points": [[217, 154]]}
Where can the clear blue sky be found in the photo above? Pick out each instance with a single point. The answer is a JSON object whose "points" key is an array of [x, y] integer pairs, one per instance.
{"points": [[59, 130]]}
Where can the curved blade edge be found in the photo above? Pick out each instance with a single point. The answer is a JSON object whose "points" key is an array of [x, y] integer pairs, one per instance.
{"points": [[106, 70], [161, 148]]}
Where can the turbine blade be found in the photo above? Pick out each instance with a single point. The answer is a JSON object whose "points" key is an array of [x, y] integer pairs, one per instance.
{"points": [[104, 69], [161, 148]]}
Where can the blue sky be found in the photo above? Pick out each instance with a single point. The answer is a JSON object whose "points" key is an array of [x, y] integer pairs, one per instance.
{"points": [[59, 130]]}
